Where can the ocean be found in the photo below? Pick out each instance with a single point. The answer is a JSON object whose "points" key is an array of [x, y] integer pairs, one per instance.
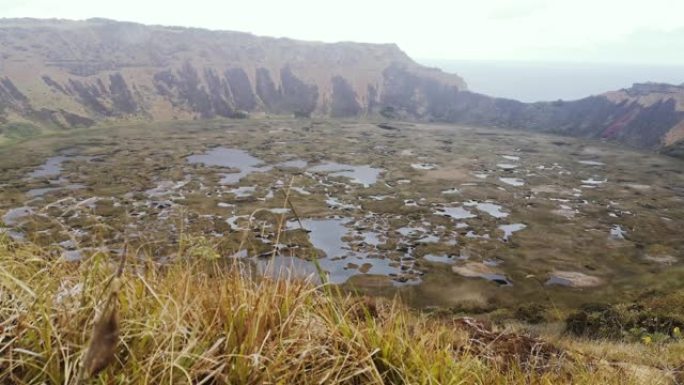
{"points": [[532, 81]]}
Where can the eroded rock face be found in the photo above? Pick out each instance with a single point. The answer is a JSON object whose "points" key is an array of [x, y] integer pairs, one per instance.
{"points": [[99, 69], [11, 97], [417, 96], [344, 99]]}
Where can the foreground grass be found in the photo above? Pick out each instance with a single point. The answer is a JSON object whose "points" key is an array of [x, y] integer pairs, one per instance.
{"points": [[204, 322]]}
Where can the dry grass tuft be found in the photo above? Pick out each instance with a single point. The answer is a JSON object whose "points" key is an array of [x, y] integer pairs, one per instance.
{"points": [[213, 322]]}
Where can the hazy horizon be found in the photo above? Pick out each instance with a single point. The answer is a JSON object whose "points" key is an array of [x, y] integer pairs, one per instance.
{"points": [[528, 30], [531, 81]]}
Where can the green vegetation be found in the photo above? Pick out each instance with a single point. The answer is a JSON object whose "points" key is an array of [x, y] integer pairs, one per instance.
{"points": [[16, 130], [657, 317]]}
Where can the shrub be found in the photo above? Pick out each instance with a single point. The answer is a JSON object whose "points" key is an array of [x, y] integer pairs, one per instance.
{"points": [[624, 321]]}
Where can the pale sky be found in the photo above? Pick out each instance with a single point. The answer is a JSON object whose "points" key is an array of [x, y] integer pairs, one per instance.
{"points": [[620, 31]]}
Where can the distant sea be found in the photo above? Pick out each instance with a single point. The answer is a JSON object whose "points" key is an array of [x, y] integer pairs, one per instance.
{"points": [[532, 81]]}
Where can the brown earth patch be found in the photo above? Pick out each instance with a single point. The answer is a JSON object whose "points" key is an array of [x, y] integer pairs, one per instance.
{"points": [[447, 173]]}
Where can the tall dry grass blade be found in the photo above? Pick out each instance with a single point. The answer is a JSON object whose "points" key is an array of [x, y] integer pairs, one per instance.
{"points": [[102, 347], [281, 221], [289, 203]]}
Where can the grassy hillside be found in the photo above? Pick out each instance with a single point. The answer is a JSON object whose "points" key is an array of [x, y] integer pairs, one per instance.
{"points": [[202, 320]]}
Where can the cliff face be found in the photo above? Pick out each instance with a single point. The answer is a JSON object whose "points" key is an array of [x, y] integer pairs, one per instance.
{"points": [[645, 115], [77, 73]]}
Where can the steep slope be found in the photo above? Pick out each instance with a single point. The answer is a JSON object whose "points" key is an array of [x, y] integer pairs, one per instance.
{"points": [[646, 115], [72, 73], [76, 73]]}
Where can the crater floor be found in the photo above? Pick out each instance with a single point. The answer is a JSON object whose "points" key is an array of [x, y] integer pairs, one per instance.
{"points": [[446, 216]]}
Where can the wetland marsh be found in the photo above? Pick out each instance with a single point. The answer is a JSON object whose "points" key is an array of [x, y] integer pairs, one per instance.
{"points": [[451, 217]]}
